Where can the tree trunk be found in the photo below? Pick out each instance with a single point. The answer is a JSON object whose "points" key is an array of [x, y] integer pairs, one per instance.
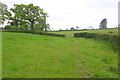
{"points": [[32, 25], [45, 28], [16, 24]]}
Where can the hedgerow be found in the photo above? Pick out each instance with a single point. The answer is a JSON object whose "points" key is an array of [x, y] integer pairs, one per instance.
{"points": [[113, 39]]}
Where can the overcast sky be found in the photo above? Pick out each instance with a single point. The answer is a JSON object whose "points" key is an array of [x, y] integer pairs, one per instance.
{"points": [[71, 13]]}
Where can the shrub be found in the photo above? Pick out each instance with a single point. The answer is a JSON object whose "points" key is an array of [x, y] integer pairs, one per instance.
{"points": [[113, 39], [8, 27], [35, 32]]}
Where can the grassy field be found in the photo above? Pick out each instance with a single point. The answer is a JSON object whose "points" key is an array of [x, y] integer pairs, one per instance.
{"points": [[70, 34], [0, 55], [38, 56], [0, 30]]}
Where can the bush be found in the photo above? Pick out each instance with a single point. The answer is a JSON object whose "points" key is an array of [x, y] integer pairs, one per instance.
{"points": [[39, 33], [113, 39], [8, 27]]}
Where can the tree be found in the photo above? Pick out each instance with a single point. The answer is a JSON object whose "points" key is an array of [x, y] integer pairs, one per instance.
{"points": [[66, 29], [90, 27], [77, 28], [47, 27], [4, 13], [103, 24], [32, 14], [72, 29]]}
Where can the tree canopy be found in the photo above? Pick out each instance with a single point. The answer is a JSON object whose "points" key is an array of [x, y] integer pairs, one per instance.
{"points": [[4, 13], [25, 17], [29, 15]]}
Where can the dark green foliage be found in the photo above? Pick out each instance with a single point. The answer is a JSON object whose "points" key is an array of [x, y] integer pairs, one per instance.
{"points": [[113, 69], [29, 16], [39, 33], [72, 29], [113, 39], [4, 13], [52, 34], [8, 27]]}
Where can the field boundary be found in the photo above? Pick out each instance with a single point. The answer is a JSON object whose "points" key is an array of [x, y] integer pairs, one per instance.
{"points": [[39, 33], [113, 39]]}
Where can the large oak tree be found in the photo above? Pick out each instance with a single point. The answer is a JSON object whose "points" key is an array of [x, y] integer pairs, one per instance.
{"points": [[30, 14]]}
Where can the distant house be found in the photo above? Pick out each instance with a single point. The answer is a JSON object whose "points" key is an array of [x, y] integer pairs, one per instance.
{"points": [[103, 24]]}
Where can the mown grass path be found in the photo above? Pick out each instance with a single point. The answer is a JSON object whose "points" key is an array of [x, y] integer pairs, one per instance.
{"points": [[37, 56]]}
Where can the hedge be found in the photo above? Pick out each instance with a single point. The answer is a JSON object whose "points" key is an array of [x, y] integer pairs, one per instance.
{"points": [[113, 39], [39, 33]]}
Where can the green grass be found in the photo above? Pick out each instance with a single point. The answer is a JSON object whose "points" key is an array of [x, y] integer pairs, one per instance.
{"points": [[0, 29], [38, 56], [70, 34], [0, 55]]}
